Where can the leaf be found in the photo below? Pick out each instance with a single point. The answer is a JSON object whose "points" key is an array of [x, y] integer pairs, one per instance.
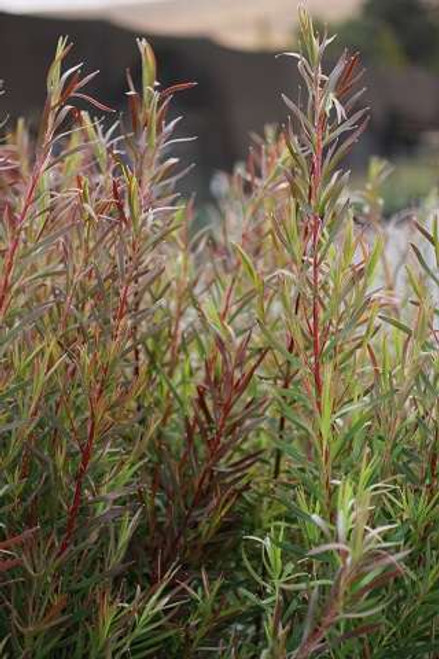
{"points": [[390, 320], [424, 264], [303, 119], [248, 265]]}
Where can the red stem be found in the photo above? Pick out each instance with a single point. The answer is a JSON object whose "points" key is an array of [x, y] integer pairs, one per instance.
{"points": [[315, 180], [13, 247], [87, 452], [74, 508], [316, 314], [316, 226]]}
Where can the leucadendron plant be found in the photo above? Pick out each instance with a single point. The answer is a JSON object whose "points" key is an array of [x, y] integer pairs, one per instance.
{"points": [[221, 443]]}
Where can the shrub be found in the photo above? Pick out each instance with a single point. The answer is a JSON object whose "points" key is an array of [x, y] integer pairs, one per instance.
{"points": [[214, 444], [394, 32]]}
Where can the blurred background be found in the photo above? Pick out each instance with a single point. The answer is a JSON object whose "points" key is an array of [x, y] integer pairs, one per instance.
{"points": [[228, 47]]}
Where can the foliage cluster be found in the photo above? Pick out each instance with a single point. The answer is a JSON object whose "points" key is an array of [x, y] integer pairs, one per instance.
{"points": [[216, 444]]}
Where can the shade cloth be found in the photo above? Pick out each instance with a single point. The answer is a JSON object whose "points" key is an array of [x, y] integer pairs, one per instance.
{"points": [[240, 23]]}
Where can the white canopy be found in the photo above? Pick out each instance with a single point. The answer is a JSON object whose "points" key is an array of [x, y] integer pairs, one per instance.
{"points": [[242, 23]]}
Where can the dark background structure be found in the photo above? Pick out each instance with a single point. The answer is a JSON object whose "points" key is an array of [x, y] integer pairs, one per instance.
{"points": [[238, 92]]}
